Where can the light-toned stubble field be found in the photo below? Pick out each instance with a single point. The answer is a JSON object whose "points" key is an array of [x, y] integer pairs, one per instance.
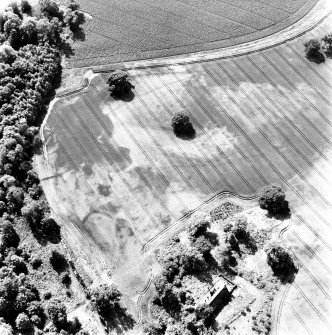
{"points": [[122, 176]]}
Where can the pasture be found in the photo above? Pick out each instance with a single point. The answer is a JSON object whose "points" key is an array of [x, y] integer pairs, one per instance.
{"points": [[140, 29], [122, 176]]}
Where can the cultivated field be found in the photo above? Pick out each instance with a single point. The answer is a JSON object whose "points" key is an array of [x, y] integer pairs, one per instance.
{"points": [[123, 30], [122, 176]]}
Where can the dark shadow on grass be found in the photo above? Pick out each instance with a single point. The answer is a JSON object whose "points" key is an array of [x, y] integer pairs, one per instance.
{"points": [[188, 136], [287, 277], [67, 49], [126, 97], [328, 53], [119, 321], [79, 35], [283, 214], [317, 58]]}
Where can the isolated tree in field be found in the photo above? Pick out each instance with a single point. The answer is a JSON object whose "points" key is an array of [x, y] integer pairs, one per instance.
{"points": [[312, 49], [280, 260], [272, 198], [119, 83], [182, 125]]}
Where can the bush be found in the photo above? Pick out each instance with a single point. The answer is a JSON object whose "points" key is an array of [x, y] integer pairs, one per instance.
{"points": [[36, 262], [8, 235], [119, 83], [56, 311], [312, 49], [23, 323], [105, 298], [327, 39], [65, 278], [182, 125], [58, 261], [272, 198], [50, 229], [280, 260], [199, 228], [25, 6], [240, 227]]}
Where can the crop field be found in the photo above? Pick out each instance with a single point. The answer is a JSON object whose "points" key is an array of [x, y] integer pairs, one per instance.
{"points": [[123, 30], [122, 176]]}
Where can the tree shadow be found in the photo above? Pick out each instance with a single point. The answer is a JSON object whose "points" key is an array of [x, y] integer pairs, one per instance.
{"points": [[67, 49], [79, 35], [188, 136], [126, 97], [212, 237], [317, 58], [287, 277], [282, 214], [328, 52], [120, 320]]}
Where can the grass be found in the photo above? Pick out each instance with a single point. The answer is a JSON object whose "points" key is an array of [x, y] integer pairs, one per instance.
{"points": [[260, 118], [140, 29]]}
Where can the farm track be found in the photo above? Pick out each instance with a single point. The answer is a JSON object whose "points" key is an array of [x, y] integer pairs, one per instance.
{"points": [[249, 118]]}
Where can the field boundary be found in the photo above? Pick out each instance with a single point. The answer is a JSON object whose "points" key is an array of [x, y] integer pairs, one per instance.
{"points": [[318, 14]]}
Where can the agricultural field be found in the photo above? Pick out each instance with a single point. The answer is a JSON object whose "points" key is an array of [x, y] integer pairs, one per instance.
{"points": [[139, 29], [116, 171]]}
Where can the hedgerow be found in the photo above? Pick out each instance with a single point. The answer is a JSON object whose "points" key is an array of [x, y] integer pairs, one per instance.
{"points": [[30, 68]]}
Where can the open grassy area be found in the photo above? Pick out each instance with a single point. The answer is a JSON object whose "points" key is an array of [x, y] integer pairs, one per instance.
{"points": [[122, 176], [140, 29]]}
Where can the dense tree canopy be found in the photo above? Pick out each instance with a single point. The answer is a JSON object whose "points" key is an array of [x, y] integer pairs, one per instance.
{"points": [[119, 83], [273, 198], [105, 298], [31, 48]]}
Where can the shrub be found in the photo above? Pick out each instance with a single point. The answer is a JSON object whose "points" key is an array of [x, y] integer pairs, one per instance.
{"points": [[56, 311], [312, 49], [65, 278], [272, 198], [203, 245], [23, 323], [119, 83], [58, 261], [51, 229], [8, 235], [49, 8], [182, 125], [280, 260], [25, 6], [327, 39], [36, 262], [105, 298], [17, 264], [75, 19], [199, 228], [240, 227]]}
